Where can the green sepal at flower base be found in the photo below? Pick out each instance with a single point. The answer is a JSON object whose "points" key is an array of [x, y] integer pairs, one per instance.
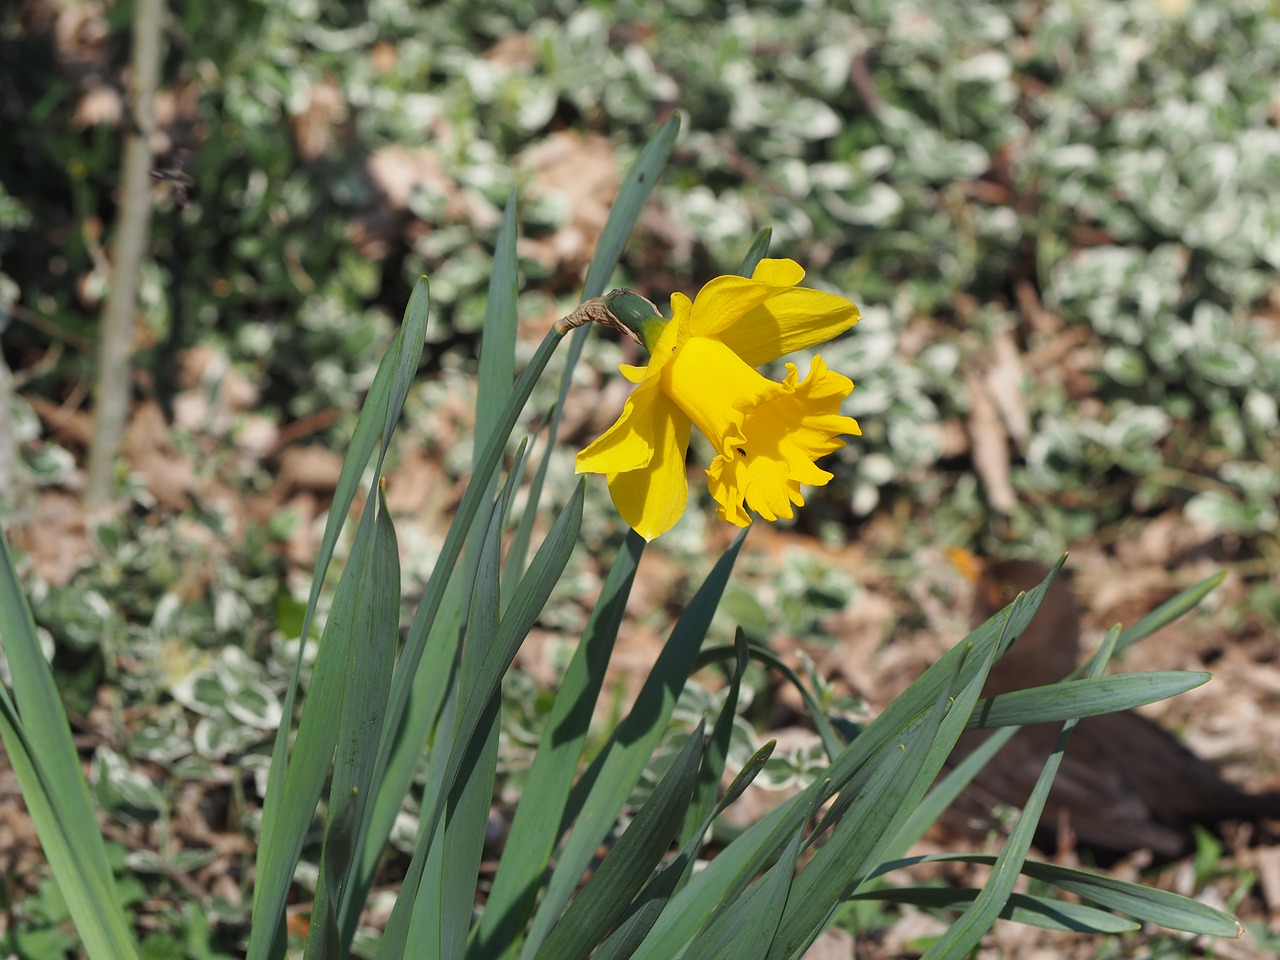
{"points": [[638, 315], [767, 434]]}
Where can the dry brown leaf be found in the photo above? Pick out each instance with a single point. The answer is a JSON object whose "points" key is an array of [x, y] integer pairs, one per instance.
{"points": [[990, 447], [310, 468], [57, 543], [397, 171], [317, 128], [514, 52], [1003, 380], [168, 474]]}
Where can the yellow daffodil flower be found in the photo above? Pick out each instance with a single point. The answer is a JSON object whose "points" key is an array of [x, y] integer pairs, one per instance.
{"points": [[766, 434]]}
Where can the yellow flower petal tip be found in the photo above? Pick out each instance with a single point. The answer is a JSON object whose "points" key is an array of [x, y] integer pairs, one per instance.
{"points": [[768, 434]]}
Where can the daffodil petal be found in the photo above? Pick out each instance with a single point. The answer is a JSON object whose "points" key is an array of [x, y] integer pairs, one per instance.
{"points": [[633, 373], [724, 301], [790, 320], [651, 500], [630, 443], [779, 272], [762, 466]]}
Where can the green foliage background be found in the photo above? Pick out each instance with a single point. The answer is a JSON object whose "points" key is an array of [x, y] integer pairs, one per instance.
{"points": [[1120, 160]]}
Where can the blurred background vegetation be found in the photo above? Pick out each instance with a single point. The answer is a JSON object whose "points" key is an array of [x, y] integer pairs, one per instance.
{"points": [[1058, 217]]}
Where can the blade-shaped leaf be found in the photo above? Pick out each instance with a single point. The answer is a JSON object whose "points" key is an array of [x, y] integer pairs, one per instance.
{"points": [[648, 906], [284, 823], [621, 875], [474, 701], [1044, 912], [612, 776], [1141, 903], [365, 625], [1082, 698], [964, 935], [759, 250], [536, 824]]}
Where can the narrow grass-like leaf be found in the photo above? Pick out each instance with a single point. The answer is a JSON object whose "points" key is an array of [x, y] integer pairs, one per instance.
{"points": [[493, 390], [832, 743], [536, 824], [284, 824], [940, 797], [648, 906], [415, 643], [615, 771], [1141, 903], [1144, 904], [1082, 698], [427, 686], [622, 874], [467, 814], [407, 354], [897, 776], [1169, 611], [964, 935], [639, 182], [44, 759], [324, 940], [998, 634], [704, 797], [747, 929], [724, 879], [433, 681], [364, 628], [759, 250], [1044, 912], [732, 870], [520, 616]]}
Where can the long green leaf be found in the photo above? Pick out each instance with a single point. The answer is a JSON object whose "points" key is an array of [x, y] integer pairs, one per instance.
{"points": [[1044, 912], [1169, 611], [758, 251], [498, 342], [1141, 903], [44, 758], [284, 823], [612, 776], [964, 935], [639, 182], [648, 906], [733, 869], [944, 792], [364, 624], [1082, 698], [536, 825], [749, 927], [473, 703], [604, 899], [726, 876], [897, 777], [704, 798], [831, 741], [467, 815]]}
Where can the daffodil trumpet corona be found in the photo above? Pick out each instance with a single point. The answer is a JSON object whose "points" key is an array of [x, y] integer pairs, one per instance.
{"points": [[702, 372]]}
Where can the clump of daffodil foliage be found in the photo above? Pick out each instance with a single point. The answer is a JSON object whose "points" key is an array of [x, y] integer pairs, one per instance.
{"points": [[701, 372], [383, 703]]}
